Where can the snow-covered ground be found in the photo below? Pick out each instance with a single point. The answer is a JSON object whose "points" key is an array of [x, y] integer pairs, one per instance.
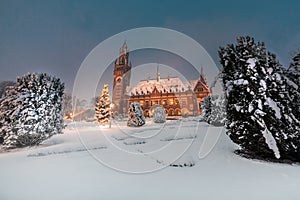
{"points": [[85, 163]]}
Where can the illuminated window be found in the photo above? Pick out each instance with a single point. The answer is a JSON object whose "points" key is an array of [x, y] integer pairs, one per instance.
{"points": [[147, 103], [164, 102], [141, 102]]}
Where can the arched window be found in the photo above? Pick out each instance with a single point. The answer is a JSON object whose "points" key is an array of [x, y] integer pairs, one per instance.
{"points": [[171, 112]]}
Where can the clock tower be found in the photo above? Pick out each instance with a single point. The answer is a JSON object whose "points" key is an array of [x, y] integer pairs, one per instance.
{"points": [[122, 69]]}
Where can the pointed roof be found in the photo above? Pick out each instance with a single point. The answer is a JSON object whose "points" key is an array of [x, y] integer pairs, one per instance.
{"points": [[202, 77], [124, 49], [157, 73]]}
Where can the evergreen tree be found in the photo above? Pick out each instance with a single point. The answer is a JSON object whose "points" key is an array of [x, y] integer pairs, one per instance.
{"points": [[259, 116], [4, 85], [279, 118], [35, 113], [135, 115], [243, 70], [103, 109], [159, 115], [206, 112], [293, 84], [214, 110], [7, 108]]}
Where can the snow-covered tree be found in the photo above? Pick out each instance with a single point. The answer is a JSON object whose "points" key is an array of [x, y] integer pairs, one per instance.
{"points": [[4, 85], [214, 111], [103, 109], [278, 106], [7, 108], [135, 115], [206, 108], [80, 105], [35, 110], [159, 115], [67, 104], [258, 115], [293, 84], [241, 76]]}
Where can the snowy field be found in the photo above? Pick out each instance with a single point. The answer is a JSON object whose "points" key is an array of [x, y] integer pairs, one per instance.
{"points": [[86, 163]]}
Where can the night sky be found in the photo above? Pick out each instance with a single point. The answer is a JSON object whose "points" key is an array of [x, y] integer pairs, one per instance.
{"points": [[55, 36]]}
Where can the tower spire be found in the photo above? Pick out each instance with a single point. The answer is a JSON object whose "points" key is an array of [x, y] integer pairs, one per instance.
{"points": [[123, 49], [157, 73], [203, 76]]}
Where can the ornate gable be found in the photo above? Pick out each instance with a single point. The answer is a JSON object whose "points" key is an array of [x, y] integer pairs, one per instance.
{"points": [[155, 91]]}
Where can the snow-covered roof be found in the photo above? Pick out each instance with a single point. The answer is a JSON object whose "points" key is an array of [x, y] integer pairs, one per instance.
{"points": [[174, 84]]}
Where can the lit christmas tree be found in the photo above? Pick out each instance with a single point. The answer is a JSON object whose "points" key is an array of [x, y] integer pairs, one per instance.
{"points": [[103, 110]]}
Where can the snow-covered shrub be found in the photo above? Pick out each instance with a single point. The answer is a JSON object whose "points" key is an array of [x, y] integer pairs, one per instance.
{"points": [[135, 115], [31, 111], [206, 109], [259, 115], [214, 110], [103, 110], [159, 115]]}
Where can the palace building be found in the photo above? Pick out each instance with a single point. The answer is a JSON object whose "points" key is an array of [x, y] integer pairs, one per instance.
{"points": [[179, 98]]}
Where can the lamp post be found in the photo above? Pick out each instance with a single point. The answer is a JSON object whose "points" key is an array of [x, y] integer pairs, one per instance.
{"points": [[110, 115]]}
